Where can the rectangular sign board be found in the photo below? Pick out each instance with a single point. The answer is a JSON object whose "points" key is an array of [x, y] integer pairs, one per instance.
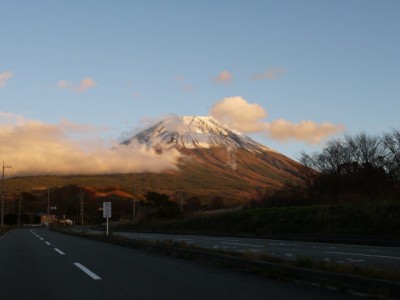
{"points": [[106, 209]]}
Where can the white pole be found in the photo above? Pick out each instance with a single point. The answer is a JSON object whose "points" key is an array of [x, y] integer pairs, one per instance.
{"points": [[107, 226]]}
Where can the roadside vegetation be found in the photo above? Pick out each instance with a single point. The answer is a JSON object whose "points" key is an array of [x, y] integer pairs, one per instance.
{"points": [[381, 219], [351, 187], [355, 169]]}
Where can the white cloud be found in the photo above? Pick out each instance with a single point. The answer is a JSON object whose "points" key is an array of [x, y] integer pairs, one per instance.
{"points": [[136, 95], [307, 131], [62, 84], [238, 114], [36, 148], [224, 77], [184, 86], [85, 84], [187, 88], [272, 73], [4, 76]]}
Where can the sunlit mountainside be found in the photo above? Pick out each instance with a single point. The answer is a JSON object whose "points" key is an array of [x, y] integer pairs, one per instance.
{"points": [[214, 161], [215, 157], [194, 133]]}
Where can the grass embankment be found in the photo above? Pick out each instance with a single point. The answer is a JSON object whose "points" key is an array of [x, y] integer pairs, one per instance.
{"points": [[374, 219]]}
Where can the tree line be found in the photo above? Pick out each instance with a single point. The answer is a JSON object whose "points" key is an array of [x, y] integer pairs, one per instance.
{"points": [[355, 168]]}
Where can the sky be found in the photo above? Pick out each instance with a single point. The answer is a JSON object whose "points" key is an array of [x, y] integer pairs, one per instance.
{"points": [[78, 76]]}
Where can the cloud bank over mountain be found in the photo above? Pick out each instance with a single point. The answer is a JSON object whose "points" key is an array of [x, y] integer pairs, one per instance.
{"points": [[36, 148], [238, 114]]}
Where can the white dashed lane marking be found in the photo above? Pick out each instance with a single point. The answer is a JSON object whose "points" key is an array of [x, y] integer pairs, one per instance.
{"points": [[78, 265], [2, 237], [87, 271], [59, 251]]}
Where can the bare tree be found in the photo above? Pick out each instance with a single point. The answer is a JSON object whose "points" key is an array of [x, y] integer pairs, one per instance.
{"points": [[366, 149], [359, 165], [392, 144]]}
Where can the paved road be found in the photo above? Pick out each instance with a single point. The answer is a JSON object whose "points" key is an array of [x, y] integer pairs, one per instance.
{"points": [[41, 264], [386, 257]]}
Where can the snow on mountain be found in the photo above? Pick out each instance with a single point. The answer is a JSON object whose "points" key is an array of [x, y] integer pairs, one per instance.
{"points": [[213, 153], [192, 132]]}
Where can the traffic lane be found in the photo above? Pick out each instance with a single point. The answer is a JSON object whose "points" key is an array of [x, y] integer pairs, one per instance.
{"points": [[384, 257], [149, 276], [32, 269], [18, 265]]}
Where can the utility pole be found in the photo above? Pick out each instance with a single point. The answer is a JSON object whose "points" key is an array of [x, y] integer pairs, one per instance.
{"points": [[19, 207], [81, 195], [134, 205], [48, 206], [181, 199], [2, 198], [2, 195]]}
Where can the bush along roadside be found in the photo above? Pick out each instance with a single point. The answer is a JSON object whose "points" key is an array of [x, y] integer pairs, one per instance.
{"points": [[368, 223]]}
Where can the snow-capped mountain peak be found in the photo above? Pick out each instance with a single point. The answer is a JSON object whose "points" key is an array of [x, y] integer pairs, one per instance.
{"points": [[194, 132]]}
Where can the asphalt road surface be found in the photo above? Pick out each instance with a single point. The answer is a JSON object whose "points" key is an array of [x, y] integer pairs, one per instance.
{"points": [[41, 264], [374, 256]]}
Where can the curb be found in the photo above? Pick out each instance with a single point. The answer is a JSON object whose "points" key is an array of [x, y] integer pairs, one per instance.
{"points": [[344, 282]]}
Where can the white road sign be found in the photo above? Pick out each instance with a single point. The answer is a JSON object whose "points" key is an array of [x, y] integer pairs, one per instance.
{"points": [[106, 209]]}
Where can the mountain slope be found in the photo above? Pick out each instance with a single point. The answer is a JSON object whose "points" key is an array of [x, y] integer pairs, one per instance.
{"points": [[216, 161], [214, 154], [194, 133]]}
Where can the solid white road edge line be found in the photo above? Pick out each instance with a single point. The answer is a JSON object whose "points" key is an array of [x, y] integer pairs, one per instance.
{"points": [[59, 251], [87, 271], [367, 255], [239, 244]]}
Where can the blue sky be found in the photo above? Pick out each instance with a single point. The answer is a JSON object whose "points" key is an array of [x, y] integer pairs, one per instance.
{"points": [[116, 64]]}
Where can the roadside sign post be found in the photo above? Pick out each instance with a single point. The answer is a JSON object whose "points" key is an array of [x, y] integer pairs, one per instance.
{"points": [[107, 212]]}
